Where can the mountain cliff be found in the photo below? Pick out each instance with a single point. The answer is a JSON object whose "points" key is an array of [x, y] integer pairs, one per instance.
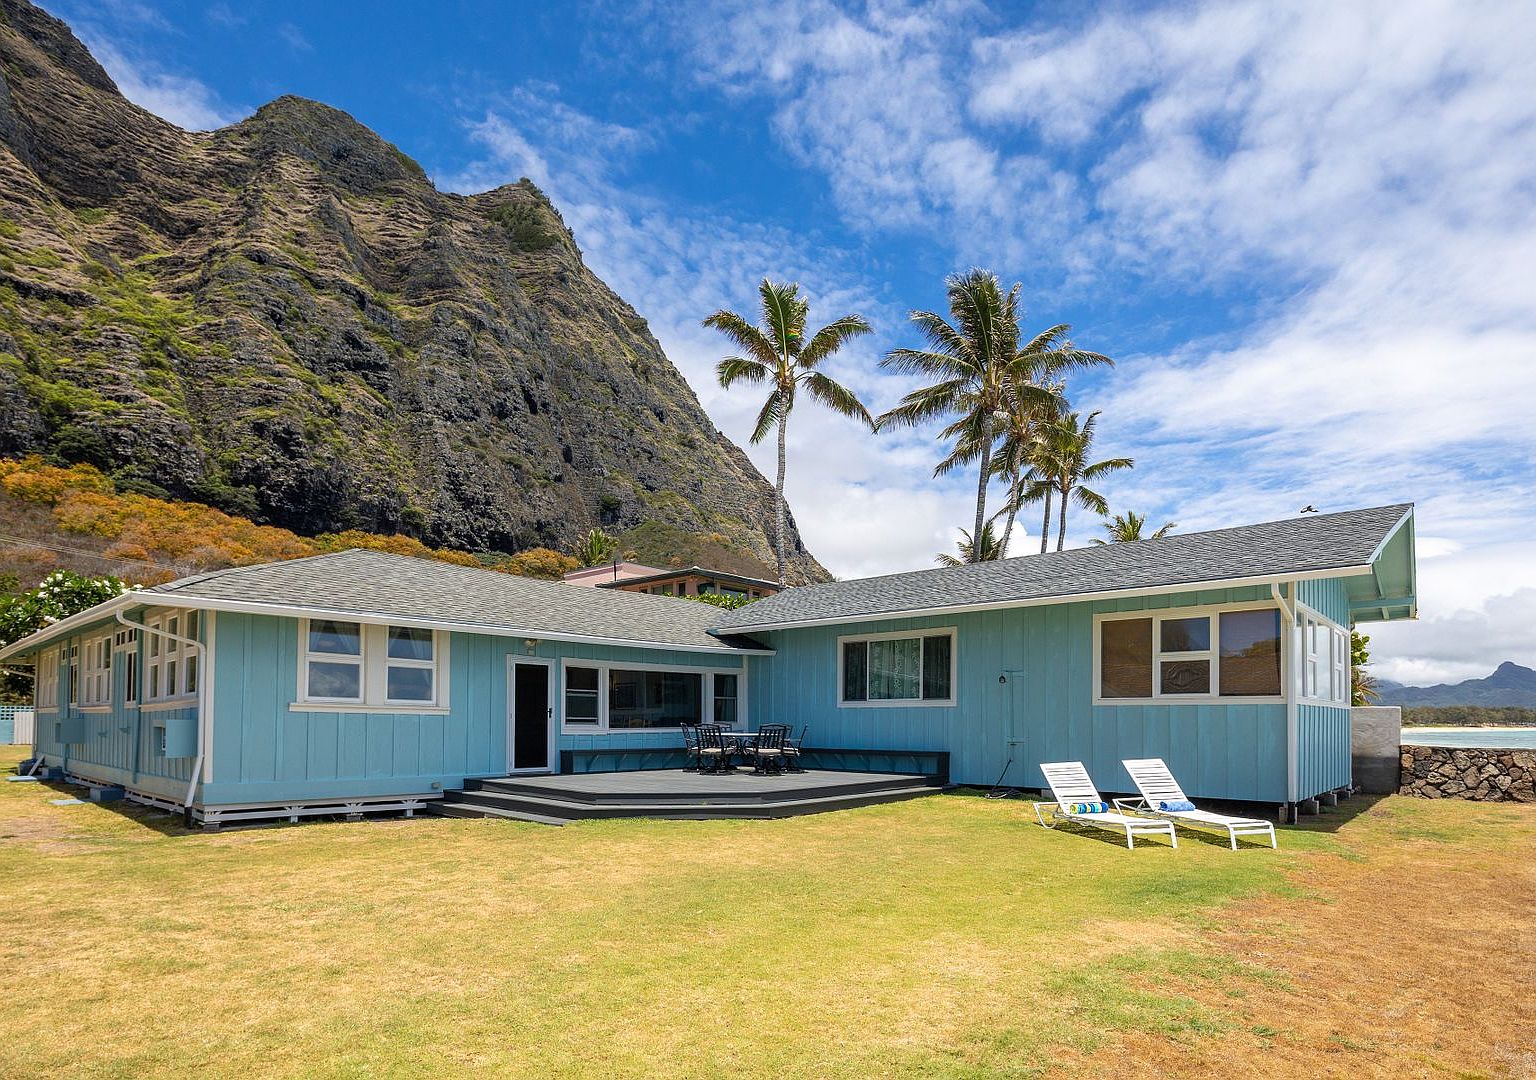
{"points": [[286, 320]]}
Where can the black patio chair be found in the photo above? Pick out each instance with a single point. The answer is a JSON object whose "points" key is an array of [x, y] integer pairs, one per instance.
{"points": [[691, 748], [714, 755], [792, 748], [767, 749]]}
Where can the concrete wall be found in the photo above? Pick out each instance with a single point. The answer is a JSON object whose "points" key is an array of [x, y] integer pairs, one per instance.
{"points": [[1454, 772], [1374, 746]]}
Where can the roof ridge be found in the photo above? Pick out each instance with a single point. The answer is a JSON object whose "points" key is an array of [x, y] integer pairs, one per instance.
{"points": [[228, 571], [963, 567], [1313, 542]]}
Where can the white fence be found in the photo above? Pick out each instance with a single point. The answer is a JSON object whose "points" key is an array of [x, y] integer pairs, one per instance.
{"points": [[16, 726]]}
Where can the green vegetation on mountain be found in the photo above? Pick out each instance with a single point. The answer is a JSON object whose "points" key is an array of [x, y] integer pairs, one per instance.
{"points": [[284, 320]]}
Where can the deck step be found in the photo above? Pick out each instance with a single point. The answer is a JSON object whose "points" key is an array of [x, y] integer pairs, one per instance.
{"points": [[536, 787], [443, 808], [553, 807]]}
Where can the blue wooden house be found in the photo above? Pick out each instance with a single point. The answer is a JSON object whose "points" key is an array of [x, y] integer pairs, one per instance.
{"points": [[361, 680]]}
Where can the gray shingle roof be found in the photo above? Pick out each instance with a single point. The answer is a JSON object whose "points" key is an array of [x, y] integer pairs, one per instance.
{"points": [[1304, 545], [372, 584]]}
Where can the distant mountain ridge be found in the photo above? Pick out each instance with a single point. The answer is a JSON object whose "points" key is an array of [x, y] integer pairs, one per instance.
{"points": [[1510, 686], [284, 319]]}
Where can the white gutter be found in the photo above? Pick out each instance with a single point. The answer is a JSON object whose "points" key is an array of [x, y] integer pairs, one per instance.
{"points": [[1293, 673], [1045, 601], [63, 626], [202, 695]]}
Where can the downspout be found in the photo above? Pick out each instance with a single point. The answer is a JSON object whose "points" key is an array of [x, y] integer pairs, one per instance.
{"points": [[202, 699], [1292, 710]]}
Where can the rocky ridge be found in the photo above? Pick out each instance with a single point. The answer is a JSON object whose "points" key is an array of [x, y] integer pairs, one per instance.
{"points": [[286, 320]]}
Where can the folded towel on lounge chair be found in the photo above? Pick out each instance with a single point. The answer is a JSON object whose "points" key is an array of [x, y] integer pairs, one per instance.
{"points": [[1176, 805], [1086, 808]]}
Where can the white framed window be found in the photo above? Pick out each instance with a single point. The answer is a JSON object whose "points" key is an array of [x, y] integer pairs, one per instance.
{"points": [[45, 691], [96, 674], [1341, 646], [345, 662], [614, 696], [125, 644], [1228, 653], [171, 667], [909, 667], [1325, 660], [72, 672]]}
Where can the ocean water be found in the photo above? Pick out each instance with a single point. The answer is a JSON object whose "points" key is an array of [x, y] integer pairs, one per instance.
{"points": [[1494, 738]]}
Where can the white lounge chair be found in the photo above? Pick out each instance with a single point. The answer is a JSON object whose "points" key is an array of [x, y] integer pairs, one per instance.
{"points": [[1159, 790], [1075, 793]]}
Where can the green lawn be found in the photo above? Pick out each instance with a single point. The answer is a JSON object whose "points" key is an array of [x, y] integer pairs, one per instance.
{"points": [[948, 936]]}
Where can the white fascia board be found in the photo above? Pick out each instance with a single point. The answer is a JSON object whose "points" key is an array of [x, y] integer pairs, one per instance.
{"points": [[104, 610], [294, 611], [1046, 601]]}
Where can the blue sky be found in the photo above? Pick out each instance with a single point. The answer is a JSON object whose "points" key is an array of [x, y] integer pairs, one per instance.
{"points": [[1305, 231]]}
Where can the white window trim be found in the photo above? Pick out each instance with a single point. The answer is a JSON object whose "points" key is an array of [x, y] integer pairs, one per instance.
{"points": [[70, 662], [904, 703], [96, 672], [161, 652], [1214, 653], [603, 667], [45, 689], [374, 662], [1333, 674], [125, 647]]}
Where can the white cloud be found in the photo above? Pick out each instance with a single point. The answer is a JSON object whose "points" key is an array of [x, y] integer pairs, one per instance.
{"points": [[1361, 172], [1372, 159], [294, 38], [181, 99]]}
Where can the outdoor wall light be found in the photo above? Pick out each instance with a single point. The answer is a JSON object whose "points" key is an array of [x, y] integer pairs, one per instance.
{"points": [[530, 644]]}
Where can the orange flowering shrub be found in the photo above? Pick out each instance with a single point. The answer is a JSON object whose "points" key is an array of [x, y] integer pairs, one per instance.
{"points": [[192, 537]]}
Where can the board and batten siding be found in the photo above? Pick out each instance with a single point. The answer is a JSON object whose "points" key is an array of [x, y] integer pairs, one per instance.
{"points": [[119, 743], [1024, 691], [268, 747], [1323, 732]]}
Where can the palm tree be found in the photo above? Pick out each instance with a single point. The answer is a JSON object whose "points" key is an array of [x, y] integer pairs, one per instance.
{"points": [[970, 552], [1068, 445], [1043, 364], [776, 351], [595, 548], [1131, 526], [969, 360]]}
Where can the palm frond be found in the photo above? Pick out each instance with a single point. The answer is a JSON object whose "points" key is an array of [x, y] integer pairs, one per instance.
{"points": [[1105, 467], [922, 404], [832, 337], [837, 397], [748, 338], [734, 369], [1089, 499], [783, 315], [768, 417], [985, 548], [923, 362], [943, 338]]}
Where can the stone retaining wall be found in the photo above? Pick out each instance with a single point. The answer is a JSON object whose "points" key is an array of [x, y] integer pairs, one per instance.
{"points": [[1453, 772]]}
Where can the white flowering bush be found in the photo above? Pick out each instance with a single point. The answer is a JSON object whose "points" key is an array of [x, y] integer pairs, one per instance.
{"points": [[59, 595]]}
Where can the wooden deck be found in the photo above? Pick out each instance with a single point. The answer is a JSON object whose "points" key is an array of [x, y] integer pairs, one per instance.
{"points": [[675, 793]]}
